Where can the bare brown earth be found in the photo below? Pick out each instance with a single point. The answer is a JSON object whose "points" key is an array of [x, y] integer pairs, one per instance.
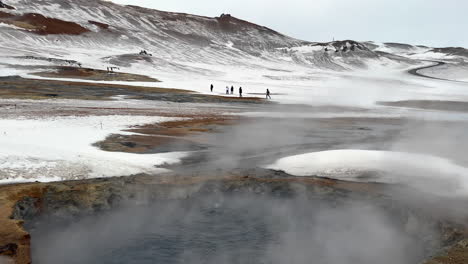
{"points": [[456, 255], [19, 88], [149, 137], [14, 240], [42, 25], [94, 75]]}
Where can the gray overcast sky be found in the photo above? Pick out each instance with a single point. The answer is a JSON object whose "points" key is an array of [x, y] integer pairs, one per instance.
{"points": [[438, 23]]}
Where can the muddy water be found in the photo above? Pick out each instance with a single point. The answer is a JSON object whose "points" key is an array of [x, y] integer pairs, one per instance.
{"points": [[238, 229]]}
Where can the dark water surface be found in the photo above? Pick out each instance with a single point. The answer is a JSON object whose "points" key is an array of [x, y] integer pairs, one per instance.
{"points": [[232, 230]]}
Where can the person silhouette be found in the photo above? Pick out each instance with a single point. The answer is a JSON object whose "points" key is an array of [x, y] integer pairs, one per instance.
{"points": [[240, 92], [268, 94]]}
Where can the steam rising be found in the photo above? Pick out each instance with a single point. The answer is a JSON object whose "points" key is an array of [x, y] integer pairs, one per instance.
{"points": [[328, 228], [239, 229], [428, 173]]}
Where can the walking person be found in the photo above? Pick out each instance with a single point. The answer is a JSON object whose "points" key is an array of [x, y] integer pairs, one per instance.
{"points": [[211, 88], [240, 92], [232, 89], [268, 94], [227, 89]]}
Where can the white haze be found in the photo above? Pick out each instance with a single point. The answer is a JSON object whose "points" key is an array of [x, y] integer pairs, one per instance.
{"points": [[295, 231]]}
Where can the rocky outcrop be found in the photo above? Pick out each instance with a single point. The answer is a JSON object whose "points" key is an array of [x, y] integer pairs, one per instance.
{"points": [[3, 5], [99, 24], [457, 254]]}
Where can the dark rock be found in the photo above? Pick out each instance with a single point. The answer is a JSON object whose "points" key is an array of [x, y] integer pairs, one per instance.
{"points": [[2, 5], [115, 199], [129, 144], [8, 250], [99, 24], [26, 209]]}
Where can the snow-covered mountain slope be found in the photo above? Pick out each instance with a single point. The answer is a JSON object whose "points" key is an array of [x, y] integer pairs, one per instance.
{"points": [[420, 52], [101, 33], [191, 52], [453, 61]]}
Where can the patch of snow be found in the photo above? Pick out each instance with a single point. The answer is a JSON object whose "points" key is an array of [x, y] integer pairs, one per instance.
{"points": [[309, 48], [61, 148], [431, 55], [424, 172]]}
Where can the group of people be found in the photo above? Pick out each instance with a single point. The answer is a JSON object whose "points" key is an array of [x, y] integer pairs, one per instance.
{"points": [[144, 52], [231, 91], [112, 69]]}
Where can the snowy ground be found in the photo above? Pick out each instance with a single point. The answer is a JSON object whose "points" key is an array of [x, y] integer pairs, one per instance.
{"points": [[60, 148], [428, 173], [458, 72], [51, 146]]}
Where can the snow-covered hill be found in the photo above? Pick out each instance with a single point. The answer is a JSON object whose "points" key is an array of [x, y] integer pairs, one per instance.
{"points": [[420, 52], [99, 33], [189, 51]]}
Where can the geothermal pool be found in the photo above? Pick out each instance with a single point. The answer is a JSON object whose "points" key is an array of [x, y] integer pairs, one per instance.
{"points": [[234, 229]]}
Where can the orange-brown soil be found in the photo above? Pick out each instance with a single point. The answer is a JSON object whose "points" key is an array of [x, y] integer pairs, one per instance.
{"points": [[42, 25], [150, 137], [14, 240], [16, 87]]}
